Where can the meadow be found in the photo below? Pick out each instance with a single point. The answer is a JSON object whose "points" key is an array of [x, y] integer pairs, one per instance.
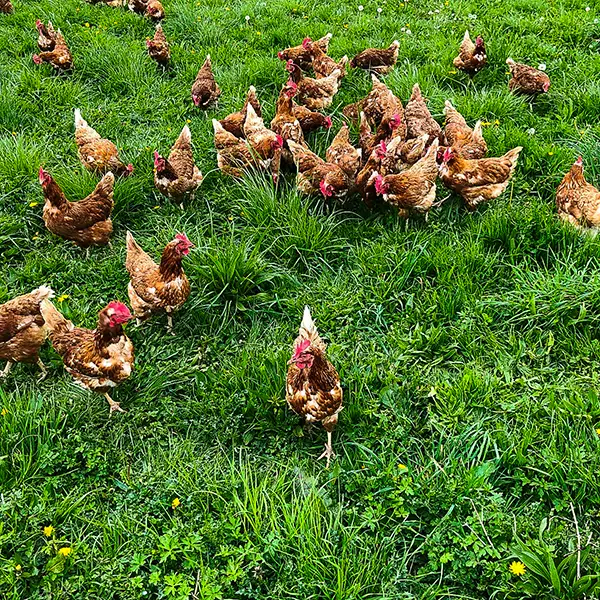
{"points": [[467, 346]]}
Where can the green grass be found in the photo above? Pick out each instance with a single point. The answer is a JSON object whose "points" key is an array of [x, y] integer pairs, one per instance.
{"points": [[467, 345]]}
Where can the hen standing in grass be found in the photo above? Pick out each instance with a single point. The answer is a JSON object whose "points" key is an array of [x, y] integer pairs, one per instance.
{"points": [[6, 7], [205, 91], [315, 94], [466, 142], [157, 288], [99, 359], [412, 190], [577, 201], [342, 153], [310, 120], [302, 54], [86, 222], [178, 175], [379, 101], [234, 156], [284, 122], [527, 80], [316, 175], [23, 330], [419, 119], [480, 180], [158, 47], [380, 60], [323, 65], [313, 388], [97, 154], [471, 57], [155, 10], [59, 56], [265, 144]]}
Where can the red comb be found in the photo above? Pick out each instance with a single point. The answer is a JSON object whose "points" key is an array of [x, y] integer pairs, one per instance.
{"points": [[300, 348]]}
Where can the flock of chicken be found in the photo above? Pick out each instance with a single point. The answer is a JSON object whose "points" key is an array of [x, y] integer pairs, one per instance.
{"points": [[402, 152]]}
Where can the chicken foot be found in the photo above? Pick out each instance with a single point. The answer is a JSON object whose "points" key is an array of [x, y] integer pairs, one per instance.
{"points": [[328, 452], [7, 369], [114, 406], [43, 369]]}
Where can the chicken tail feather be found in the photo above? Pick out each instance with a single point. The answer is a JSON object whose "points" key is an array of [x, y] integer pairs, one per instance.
{"points": [[307, 327], [53, 319]]}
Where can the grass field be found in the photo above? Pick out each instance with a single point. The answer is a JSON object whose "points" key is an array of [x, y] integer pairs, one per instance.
{"points": [[467, 345]]}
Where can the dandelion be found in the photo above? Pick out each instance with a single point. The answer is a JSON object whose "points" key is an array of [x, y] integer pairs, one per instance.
{"points": [[62, 298], [531, 131], [35, 237], [517, 568], [48, 530], [453, 72], [247, 17], [18, 568], [496, 122], [188, 120], [4, 412], [33, 204], [587, 9], [360, 8], [408, 32], [157, 207], [379, 11], [176, 503], [597, 430], [64, 552], [402, 467], [86, 25], [550, 153], [542, 67]]}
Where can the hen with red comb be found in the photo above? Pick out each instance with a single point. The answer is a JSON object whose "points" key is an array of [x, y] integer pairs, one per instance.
{"points": [[99, 359], [313, 388], [157, 288], [577, 201]]}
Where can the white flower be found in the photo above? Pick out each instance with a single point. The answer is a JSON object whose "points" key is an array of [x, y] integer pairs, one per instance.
{"points": [[430, 12], [587, 9], [380, 10], [596, 21], [247, 17], [472, 16], [402, 29], [542, 67], [531, 131], [361, 8], [408, 32], [436, 11]]}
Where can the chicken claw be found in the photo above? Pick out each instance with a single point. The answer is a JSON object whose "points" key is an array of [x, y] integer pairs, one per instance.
{"points": [[114, 406], [328, 453]]}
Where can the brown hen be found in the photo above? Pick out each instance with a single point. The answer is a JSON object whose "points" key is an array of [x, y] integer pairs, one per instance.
{"points": [[205, 91], [234, 123], [341, 152], [527, 80], [157, 288], [98, 360], [23, 330], [178, 176], [158, 47], [466, 142], [478, 181], [97, 154], [577, 201], [234, 156], [315, 94], [471, 57], [313, 388], [419, 119], [301, 55], [59, 57], [380, 60], [86, 222]]}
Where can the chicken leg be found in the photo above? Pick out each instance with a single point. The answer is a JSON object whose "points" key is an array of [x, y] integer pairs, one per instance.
{"points": [[114, 406], [328, 452], [7, 369], [43, 369]]}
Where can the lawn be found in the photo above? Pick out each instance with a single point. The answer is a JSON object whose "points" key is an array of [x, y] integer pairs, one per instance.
{"points": [[467, 345]]}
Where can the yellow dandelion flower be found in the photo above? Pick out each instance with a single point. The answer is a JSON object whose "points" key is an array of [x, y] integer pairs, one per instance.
{"points": [[188, 120], [4, 412], [64, 552], [550, 153], [176, 503], [35, 238], [48, 530], [402, 467], [62, 297], [157, 206], [32, 204], [597, 430], [517, 568], [86, 25], [18, 568], [496, 122], [453, 72]]}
